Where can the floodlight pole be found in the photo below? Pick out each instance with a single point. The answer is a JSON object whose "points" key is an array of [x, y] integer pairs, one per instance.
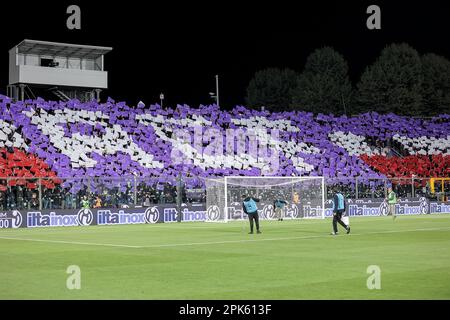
{"points": [[217, 90], [161, 97]]}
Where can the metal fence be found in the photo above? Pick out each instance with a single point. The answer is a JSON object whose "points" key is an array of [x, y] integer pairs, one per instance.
{"points": [[122, 192], [363, 188]]}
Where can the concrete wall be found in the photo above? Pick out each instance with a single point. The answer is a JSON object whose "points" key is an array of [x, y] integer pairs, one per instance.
{"points": [[13, 66], [59, 76]]}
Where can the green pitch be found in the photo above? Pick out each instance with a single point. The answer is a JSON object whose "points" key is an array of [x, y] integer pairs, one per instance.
{"points": [[290, 260]]}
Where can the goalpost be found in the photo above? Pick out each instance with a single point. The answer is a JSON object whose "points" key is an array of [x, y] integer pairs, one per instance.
{"points": [[224, 196]]}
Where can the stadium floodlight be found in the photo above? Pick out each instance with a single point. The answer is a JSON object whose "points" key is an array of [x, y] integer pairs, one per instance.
{"points": [[224, 195], [217, 90], [161, 97]]}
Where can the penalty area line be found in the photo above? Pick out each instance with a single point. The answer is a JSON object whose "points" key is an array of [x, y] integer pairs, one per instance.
{"points": [[220, 242]]}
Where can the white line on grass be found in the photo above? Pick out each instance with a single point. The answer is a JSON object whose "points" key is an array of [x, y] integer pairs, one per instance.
{"points": [[287, 238], [290, 222], [206, 225], [72, 242], [219, 242]]}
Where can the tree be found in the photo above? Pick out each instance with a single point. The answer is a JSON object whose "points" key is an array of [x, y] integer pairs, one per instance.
{"points": [[436, 83], [393, 83], [324, 85], [271, 88]]}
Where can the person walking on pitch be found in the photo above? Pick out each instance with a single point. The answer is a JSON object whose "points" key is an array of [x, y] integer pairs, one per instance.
{"points": [[339, 207], [251, 209]]}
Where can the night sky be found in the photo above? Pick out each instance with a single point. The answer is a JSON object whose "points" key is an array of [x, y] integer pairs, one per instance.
{"points": [[178, 47]]}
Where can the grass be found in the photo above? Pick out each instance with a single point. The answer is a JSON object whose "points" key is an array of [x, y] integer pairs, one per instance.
{"points": [[289, 260]]}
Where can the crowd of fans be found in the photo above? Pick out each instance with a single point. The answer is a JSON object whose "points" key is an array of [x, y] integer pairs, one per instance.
{"points": [[65, 144], [422, 166], [21, 197]]}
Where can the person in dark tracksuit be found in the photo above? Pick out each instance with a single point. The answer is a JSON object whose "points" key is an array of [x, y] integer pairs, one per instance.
{"points": [[251, 209], [339, 207]]}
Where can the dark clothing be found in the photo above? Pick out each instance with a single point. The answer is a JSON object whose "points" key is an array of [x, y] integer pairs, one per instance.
{"points": [[251, 217], [337, 219], [279, 203], [338, 211]]}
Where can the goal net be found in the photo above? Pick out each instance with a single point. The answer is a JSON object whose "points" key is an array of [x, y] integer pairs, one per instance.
{"points": [[305, 197]]}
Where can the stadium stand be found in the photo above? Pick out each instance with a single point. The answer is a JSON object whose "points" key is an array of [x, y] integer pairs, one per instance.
{"points": [[419, 165], [78, 142]]}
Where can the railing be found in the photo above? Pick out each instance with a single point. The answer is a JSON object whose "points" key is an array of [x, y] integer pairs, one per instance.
{"points": [[396, 153], [360, 188], [30, 92], [121, 192]]}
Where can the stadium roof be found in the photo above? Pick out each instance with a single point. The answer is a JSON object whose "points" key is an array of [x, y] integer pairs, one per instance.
{"points": [[61, 49]]}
